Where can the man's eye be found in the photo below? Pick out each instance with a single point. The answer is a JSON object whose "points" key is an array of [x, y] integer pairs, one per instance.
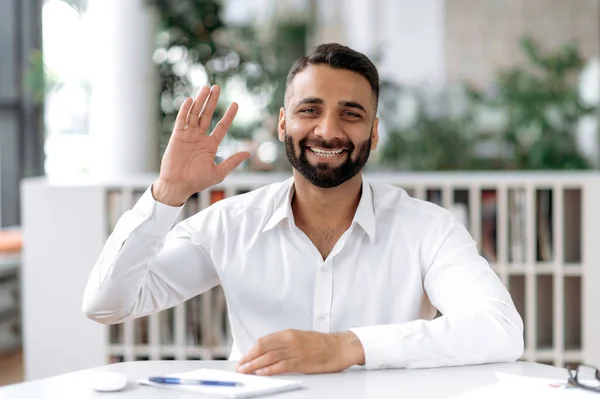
{"points": [[309, 111], [352, 114]]}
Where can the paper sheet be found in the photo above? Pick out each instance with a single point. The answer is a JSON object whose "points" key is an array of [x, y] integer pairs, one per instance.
{"points": [[255, 386]]}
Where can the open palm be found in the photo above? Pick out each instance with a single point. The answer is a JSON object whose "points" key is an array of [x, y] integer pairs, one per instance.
{"points": [[188, 163]]}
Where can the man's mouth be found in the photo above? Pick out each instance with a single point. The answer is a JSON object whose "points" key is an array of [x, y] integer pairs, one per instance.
{"points": [[327, 153]]}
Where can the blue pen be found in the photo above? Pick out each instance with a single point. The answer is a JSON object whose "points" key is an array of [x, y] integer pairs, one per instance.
{"points": [[184, 381]]}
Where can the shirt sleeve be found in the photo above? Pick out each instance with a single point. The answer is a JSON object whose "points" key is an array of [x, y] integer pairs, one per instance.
{"points": [[146, 267], [479, 322]]}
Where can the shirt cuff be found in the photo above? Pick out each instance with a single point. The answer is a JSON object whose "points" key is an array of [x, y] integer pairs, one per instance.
{"points": [[382, 345], [153, 217]]}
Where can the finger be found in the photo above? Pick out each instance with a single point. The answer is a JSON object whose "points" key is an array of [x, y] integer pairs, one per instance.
{"points": [[269, 342], [225, 123], [283, 366], [181, 119], [227, 166], [261, 362], [192, 117], [209, 107]]}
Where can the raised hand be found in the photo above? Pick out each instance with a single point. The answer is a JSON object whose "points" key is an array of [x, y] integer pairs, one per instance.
{"points": [[188, 163]]}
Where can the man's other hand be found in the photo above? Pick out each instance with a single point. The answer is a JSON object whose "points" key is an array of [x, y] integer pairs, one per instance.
{"points": [[308, 352]]}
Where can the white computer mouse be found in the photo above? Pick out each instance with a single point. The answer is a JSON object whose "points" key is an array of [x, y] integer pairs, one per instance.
{"points": [[108, 381]]}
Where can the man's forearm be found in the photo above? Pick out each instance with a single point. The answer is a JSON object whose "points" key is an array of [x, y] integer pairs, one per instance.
{"points": [[451, 340]]}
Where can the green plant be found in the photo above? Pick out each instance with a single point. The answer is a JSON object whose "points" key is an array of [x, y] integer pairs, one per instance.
{"points": [[38, 80], [193, 37], [430, 142], [536, 108], [195, 31], [288, 42], [542, 108]]}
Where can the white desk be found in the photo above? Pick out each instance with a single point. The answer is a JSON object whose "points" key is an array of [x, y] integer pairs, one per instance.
{"points": [[355, 383]]}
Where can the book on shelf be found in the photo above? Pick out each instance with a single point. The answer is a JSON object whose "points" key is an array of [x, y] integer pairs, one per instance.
{"points": [[216, 195], [167, 327], [517, 225], [220, 323], [193, 336], [116, 334], [544, 225], [192, 206], [489, 212], [141, 330]]}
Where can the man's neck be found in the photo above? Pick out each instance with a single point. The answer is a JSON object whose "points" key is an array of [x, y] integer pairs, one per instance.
{"points": [[325, 207]]}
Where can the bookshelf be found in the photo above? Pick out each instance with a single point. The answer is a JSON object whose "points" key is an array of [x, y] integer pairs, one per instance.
{"points": [[537, 230]]}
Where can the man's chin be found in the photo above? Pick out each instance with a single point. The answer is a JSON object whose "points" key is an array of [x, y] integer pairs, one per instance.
{"points": [[325, 169], [324, 180]]}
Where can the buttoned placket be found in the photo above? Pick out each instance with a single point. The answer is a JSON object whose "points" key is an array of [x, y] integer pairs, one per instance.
{"points": [[324, 288], [323, 294], [323, 297]]}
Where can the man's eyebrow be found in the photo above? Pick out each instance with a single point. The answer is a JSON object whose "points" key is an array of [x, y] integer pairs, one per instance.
{"points": [[352, 104], [310, 100], [319, 101]]}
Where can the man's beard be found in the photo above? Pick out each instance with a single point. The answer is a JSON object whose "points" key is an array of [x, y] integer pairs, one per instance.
{"points": [[324, 175]]}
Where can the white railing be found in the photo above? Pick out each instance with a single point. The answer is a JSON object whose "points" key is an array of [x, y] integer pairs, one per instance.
{"points": [[538, 230]]}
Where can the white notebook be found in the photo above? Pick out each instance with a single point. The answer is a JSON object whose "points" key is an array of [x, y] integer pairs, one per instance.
{"points": [[254, 385]]}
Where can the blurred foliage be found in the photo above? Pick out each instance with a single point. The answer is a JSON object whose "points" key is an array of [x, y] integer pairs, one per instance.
{"points": [[288, 42], [38, 80], [195, 29], [431, 142], [535, 109]]}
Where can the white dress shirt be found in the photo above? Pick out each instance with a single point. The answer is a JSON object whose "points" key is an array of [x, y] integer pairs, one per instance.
{"points": [[372, 283]]}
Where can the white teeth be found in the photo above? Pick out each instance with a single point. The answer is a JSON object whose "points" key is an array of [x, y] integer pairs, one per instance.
{"points": [[324, 153]]}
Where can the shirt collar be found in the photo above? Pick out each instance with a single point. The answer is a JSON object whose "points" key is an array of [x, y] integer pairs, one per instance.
{"points": [[365, 212], [282, 205], [282, 208]]}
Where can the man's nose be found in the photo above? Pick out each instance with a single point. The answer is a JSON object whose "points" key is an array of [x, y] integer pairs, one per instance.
{"points": [[329, 128]]}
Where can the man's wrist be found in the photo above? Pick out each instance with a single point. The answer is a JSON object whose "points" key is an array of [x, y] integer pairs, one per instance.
{"points": [[351, 349], [168, 194]]}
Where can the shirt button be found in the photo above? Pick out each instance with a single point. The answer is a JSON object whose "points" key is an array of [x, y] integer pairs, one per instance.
{"points": [[322, 317]]}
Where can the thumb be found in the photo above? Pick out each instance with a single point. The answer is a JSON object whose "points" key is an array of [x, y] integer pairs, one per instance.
{"points": [[228, 165]]}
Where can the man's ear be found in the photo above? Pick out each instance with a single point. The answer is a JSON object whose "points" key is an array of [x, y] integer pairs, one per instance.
{"points": [[375, 134], [281, 125]]}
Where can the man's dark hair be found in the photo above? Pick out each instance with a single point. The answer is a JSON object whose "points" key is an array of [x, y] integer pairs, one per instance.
{"points": [[339, 57]]}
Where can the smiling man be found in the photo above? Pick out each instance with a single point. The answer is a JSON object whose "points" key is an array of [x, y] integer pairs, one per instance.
{"points": [[321, 272]]}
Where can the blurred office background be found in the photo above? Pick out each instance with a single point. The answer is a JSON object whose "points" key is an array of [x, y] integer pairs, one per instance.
{"points": [[489, 108]]}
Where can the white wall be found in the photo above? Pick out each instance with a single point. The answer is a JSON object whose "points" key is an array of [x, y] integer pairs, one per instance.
{"points": [[124, 102], [409, 35], [64, 230], [413, 35]]}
